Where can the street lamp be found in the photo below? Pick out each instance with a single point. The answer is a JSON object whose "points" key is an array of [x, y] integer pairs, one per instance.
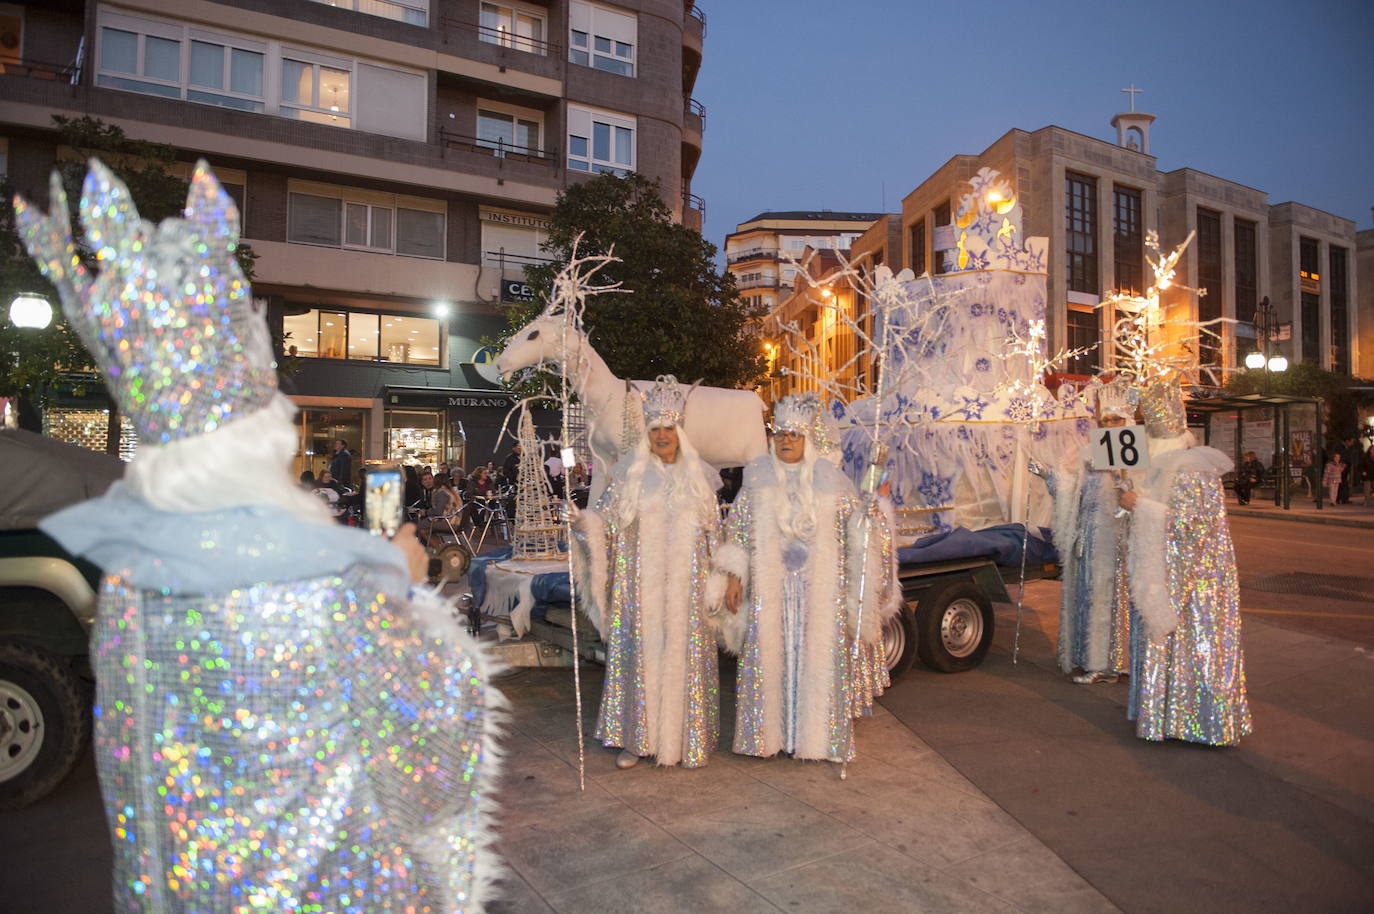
{"points": [[1264, 329], [32, 311]]}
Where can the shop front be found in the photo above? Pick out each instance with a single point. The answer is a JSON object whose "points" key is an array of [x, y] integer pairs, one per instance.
{"points": [[429, 426]]}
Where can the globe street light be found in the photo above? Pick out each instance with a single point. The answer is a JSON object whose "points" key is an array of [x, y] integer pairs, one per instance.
{"points": [[32, 311], [1264, 328]]}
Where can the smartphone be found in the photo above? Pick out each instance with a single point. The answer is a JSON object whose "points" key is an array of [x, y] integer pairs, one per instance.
{"points": [[383, 510]]}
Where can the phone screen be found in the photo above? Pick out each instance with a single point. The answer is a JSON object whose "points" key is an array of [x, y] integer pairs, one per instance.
{"points": [[382, 503]]}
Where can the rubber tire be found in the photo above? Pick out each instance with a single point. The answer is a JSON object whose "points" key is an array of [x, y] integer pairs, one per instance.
{"points": [[930, 612], [901, 624], [66, 707]]}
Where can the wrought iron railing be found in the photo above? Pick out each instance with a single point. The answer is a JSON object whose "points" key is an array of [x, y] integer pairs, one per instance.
{"points": [[501, 38], [695, 12], [692, 106], [497, 148], [692, 201]]}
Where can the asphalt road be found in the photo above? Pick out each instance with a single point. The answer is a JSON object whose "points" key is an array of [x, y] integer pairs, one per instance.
{"points": [[1313, 578]]}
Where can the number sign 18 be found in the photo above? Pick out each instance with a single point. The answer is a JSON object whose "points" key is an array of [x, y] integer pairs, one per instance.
{"points": [[1120, 448]]}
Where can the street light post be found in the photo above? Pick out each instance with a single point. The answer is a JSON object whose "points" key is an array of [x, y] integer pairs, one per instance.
{"points": [[1265, 326]]}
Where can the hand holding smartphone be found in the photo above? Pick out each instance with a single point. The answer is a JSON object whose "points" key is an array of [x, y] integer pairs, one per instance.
{"points": [[383, 510]]}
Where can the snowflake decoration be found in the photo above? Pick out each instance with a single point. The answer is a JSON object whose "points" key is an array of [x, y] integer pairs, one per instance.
{"points": [[1020, 409], [974, 406], [936, 490], [983, 365]]}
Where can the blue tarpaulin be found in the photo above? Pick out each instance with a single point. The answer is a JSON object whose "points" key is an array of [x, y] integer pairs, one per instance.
{"points": [[546, 588], [1001, 543]]}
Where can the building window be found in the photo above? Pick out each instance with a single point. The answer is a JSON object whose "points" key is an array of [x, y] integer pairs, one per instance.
{"points": [[918, 247], [1082, 333], [1311, 327], [1128, 238], [364, 336], [1309, 259], [1338, 282], [505, 128], [1209, 283], [224, 75], [412, 12], [183, 61], [600, 141], [602, 38], [1247, 270], [511, 241], [943, 239], [1080, 223], [315, 92], [364, 220], [512, 27]]}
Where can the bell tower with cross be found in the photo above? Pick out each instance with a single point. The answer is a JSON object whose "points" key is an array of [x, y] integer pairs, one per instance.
{"points": [[1133, 127]]}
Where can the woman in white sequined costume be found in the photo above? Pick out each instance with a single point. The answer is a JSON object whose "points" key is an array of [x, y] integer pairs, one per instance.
{"points": [[1187, 664], [281, 722], [788, 580], [1094, 609], [644, 554]]}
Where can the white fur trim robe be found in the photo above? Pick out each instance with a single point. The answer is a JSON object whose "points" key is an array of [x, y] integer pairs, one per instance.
{"points": [[794, 629]]}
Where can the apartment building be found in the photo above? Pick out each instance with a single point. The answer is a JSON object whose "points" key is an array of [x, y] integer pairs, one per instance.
{"points": [[1097, 200], [395, 163], [761, 251]]}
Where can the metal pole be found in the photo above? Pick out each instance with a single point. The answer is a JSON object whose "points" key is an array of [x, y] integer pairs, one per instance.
{"points": [[1318, 437]]}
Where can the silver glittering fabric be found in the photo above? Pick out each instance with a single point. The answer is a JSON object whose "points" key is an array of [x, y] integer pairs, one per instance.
{"points": [[1190, 684], [165, 309], [289, 746], [661, 695]]}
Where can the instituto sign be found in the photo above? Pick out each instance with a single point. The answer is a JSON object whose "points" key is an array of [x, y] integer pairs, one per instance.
{"points": [[521, 220]]}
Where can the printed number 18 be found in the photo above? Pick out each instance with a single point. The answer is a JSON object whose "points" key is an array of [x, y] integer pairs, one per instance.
{"points": [[1129, 455]]}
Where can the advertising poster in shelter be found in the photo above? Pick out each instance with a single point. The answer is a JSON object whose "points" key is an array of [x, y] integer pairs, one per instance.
{"points": [[1300, 451]]}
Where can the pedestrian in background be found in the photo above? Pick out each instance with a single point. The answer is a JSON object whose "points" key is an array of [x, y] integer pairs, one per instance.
{"points": [[1332, 476], [1250, 474]]}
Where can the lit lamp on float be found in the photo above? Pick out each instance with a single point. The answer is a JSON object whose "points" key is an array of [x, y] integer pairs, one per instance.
{"points": [[30, 311]]}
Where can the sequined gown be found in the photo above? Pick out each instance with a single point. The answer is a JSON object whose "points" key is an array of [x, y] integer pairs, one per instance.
{"points": [[289, 744], [1190, 683], [1094, 615], [661, 695], [800, 681]]}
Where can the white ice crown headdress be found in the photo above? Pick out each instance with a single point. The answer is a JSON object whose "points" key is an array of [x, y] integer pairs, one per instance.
{"points": [[1117, 398], [166, 312], [806, 414], [665, 403]]}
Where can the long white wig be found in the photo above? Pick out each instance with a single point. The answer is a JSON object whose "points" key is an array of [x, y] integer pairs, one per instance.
{"points": [[687, 485], [241, 463]]}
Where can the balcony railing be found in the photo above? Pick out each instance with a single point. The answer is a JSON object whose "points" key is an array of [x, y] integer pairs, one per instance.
{"points": [[497, 148], [754, 254], [693, 106], [692, 201], [41, 69], [695, 12], [501, 38]]}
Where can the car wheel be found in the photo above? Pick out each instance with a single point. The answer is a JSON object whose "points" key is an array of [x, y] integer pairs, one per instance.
{"points": [[955, 624], [45, 722], [899, 642]]}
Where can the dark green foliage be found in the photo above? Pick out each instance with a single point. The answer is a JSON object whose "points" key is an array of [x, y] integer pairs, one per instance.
{"points": [[681, 317], [1304, 379], [37, 359]]}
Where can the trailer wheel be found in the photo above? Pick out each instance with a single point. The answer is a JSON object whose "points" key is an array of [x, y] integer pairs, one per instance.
{"points": [[45, 723], [955, 624], [899, 642]]}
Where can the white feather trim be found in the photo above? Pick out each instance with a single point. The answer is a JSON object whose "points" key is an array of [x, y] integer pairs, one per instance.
{"points": [[731, 558], [591, 561], [437, 616], [1149, 569]]}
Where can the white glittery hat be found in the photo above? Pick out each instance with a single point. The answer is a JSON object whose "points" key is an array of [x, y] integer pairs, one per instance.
{"points": [[665, 403], [1117, 398], [166, 311], [806, 414], [1161, 406]]}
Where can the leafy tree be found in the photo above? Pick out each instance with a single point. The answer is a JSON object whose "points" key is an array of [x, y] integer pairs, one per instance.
{"points": [[1306, 379], [35, 362], [681, 316]]}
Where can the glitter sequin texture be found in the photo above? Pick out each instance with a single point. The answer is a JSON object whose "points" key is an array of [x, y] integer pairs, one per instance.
{"points": [[166, 311], [295, 747], [661, 695], [1190, 685]]}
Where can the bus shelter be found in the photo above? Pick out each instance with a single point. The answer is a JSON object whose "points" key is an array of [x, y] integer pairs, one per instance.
{"points": [[1294, 453]]}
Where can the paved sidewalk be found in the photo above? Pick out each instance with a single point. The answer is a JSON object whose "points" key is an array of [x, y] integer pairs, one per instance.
{"points": [[905, 832], [1304, 510], [1283, 822]]}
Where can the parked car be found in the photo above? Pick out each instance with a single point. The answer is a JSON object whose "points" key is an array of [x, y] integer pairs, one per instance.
{"points": [[47, 606]]}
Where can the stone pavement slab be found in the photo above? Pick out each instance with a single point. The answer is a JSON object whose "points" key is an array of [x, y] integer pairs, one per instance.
{"points": [[1283, 822], [903, 832]]}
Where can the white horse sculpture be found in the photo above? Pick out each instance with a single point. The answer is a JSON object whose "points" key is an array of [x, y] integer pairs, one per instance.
{"points": [[726, 426]]}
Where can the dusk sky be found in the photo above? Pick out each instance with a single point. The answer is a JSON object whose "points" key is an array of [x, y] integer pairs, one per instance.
{"points": [[820, 104]]}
